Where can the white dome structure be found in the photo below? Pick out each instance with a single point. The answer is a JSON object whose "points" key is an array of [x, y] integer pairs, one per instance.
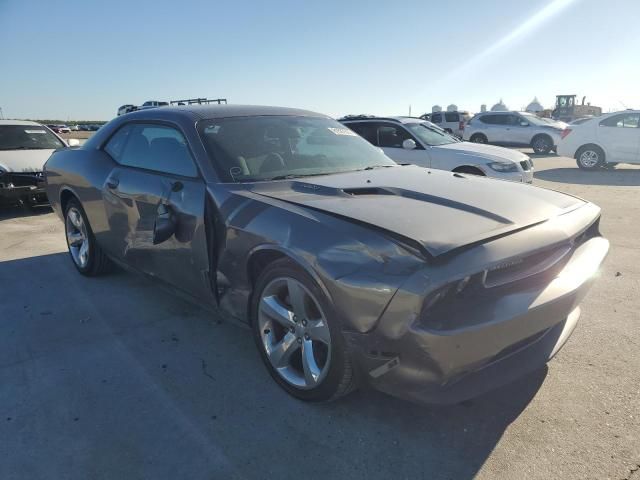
{"points": [[534, 106], [452, 108], [499, 107], [436, 108]]}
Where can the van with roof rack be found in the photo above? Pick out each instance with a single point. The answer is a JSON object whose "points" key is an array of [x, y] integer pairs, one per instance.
{"points": [[452, 122]]}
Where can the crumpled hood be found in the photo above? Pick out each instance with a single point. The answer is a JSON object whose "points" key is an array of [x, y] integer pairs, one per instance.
{"points": [[436, 210], [24, 160], [489, 152]]}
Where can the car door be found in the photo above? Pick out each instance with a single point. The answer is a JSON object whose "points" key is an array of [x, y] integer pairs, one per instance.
{"points": [[155, 189], [517, 130], [493, 127], [390, 137], [620, 137]]}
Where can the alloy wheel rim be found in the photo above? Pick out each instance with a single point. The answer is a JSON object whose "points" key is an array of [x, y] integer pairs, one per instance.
{"points": [[589, 158], [294, 333], [539, 145], [77, 238]]}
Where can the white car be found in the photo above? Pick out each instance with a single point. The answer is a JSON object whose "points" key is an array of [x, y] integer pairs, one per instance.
{"points": [[416, 141], [24, 149], [603, 141], [518, 129]]}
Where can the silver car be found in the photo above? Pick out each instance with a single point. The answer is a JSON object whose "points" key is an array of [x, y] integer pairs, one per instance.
{"points": [[348, 268], [517, 129], [416, 141]]}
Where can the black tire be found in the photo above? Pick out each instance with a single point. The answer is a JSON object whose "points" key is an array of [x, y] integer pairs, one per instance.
{"points": [[541, 144], [98, 263], [479, 138], [340, 378], [590, 157], [469, 170]]}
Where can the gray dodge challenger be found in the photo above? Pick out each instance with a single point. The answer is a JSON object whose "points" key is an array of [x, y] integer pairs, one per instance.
{"points": [[349, 269]]}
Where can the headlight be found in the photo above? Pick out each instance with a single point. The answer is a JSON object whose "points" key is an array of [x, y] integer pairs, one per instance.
{"points": [[503, 167]]}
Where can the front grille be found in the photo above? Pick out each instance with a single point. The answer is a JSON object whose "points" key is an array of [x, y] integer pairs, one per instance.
{"points": [[514, 270], [526, 166], [470, 301], [22, 179]]}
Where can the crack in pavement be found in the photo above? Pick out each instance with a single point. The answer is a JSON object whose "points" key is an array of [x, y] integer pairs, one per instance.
{"points": [[205, 372], [635, 469]]}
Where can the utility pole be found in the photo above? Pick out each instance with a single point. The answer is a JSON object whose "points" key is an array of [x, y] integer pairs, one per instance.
{"points": [[1, 114]]}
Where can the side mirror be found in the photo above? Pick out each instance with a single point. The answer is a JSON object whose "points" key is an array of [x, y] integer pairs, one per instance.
{"points": [[73, 142], [164, 226], [524, 124], [409, 144]]}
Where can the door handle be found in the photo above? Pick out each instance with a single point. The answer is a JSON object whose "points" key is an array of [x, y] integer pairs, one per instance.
{"points": [[113, 183]]}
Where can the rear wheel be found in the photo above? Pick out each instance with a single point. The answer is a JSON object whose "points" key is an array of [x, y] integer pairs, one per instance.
{"points": [[478, 138], [542, 144], [86, 254], [298, 334], [590, 157]]}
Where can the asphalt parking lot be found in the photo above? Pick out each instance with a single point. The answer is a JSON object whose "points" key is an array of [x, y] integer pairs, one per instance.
{"points": [[115, 378]]}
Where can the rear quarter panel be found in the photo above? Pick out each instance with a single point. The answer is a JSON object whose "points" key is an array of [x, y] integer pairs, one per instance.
{"points": [[82, 173]]}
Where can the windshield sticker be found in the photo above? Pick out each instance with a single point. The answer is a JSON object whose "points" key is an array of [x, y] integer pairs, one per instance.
{"points": [[34, 131], [343, 131]]}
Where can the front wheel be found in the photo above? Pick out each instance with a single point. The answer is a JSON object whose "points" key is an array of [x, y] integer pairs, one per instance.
{"points": [[298, 334], [590, 157], [478, 138]]}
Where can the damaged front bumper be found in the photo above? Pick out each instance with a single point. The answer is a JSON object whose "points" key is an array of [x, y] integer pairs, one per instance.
{"points": [[482, 343], [23, 188]]}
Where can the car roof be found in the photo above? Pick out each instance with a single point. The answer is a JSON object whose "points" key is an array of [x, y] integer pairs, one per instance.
{"points": [[502, 112], [18, 122], [398, 119], [201, 112], [628, 110]]}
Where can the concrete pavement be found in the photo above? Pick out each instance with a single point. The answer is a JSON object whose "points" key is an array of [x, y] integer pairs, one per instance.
{"points": [[113, 378]]}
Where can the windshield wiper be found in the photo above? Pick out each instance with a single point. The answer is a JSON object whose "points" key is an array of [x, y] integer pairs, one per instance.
{"points": [[291, 175], [373, 167]]}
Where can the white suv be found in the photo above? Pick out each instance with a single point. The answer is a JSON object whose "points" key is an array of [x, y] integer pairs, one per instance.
{"points": [[518, 129], [603, 141], [452, 122], [413, 140]]}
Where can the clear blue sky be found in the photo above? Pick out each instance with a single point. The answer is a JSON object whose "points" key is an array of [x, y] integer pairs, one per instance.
{"points": [[75, 59]]}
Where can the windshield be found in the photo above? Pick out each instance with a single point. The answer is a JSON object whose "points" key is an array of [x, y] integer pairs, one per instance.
{"points": [[247, 149], [535, 120], [430, 134], [27, 137]]}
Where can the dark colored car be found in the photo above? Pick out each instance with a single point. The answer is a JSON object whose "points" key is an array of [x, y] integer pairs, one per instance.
{"points": [[430, 285]]}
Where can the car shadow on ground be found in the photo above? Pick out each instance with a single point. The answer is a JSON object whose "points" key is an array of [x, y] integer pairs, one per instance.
{"points": [[130, 382], [16, 211], [535, 155], [621, 176]]}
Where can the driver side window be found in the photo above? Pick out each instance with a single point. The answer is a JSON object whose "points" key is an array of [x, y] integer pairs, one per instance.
{"points": [[392, 136], [152, 147]]}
